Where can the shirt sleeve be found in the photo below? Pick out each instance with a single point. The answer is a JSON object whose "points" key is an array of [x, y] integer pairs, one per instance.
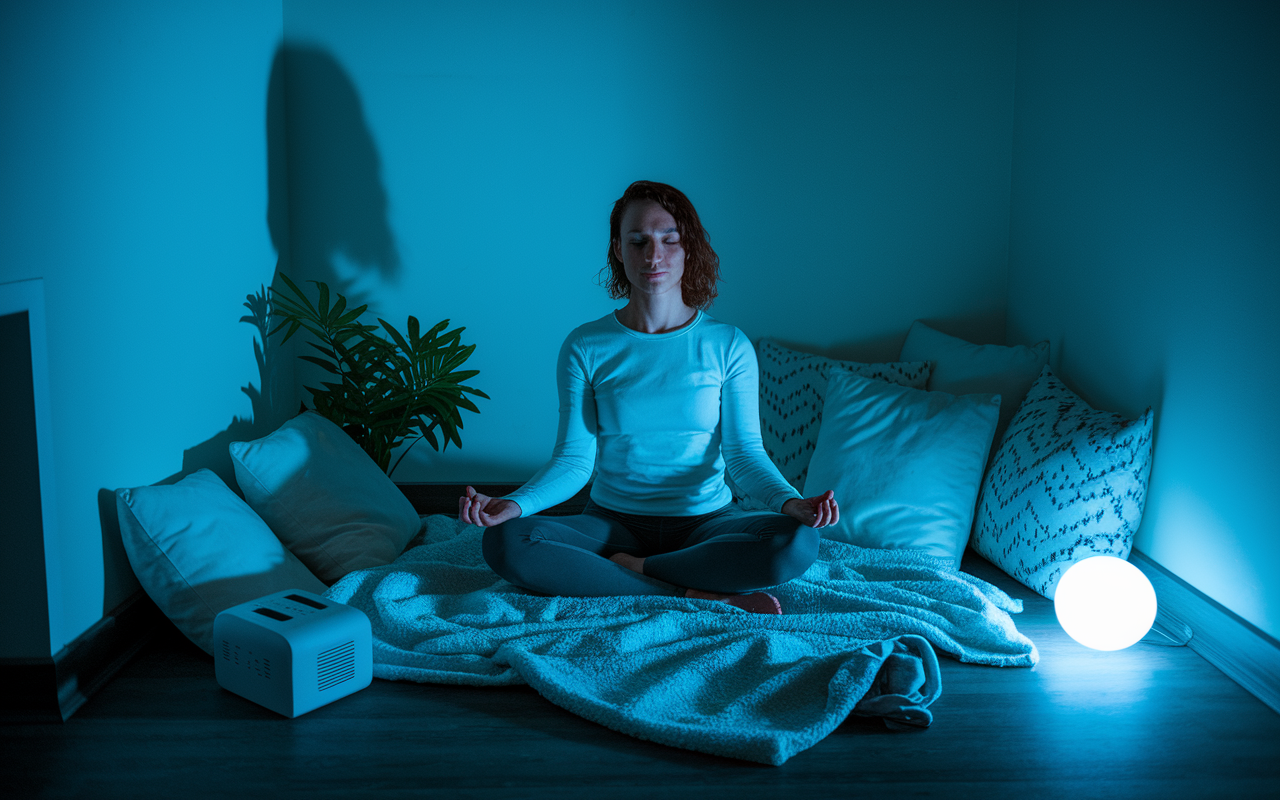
{"points": [[574, 455], [744, 456]]}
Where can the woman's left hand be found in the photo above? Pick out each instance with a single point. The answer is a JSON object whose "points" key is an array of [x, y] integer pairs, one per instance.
{"points": [[816, 512]]}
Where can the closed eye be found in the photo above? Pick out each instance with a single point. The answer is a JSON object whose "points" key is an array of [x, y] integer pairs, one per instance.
{"points": [[642, 242]]}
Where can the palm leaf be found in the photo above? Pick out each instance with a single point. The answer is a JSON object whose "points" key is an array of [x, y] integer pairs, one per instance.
{"points": [[335, 313], [323, 311], [321, 362], [395, 334], [387, 385], [297, 292]]}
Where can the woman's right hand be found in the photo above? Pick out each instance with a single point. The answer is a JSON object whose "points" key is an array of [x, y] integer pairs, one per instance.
{"points": [[485, 511]]}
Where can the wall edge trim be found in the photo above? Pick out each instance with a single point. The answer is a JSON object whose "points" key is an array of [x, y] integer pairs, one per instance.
{"points": [[53, 688], [1243, 652]]}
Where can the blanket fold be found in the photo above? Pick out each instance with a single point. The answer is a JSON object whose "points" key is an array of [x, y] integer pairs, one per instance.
{"points": [[858, 637]]}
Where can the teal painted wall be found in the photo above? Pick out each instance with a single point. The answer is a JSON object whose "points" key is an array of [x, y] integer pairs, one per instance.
{"points": [[850, 160], [132, 145], [1146, 247]]}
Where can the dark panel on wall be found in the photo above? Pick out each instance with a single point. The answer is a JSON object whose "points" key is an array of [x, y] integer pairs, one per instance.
{"points": [[24, 600]]}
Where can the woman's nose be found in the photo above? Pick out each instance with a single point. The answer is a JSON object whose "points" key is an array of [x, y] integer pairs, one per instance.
{"points": [[652, 253]]}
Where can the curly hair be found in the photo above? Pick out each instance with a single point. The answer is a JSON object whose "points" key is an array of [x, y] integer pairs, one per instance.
{"points": [[701, 264]]}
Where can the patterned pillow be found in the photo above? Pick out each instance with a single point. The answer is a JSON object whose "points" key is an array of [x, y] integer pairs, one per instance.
{"points": [[1068, 482], [792, 388]]}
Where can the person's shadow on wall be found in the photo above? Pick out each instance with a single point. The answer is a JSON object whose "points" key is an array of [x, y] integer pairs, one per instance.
{"points": [[327, 217]]}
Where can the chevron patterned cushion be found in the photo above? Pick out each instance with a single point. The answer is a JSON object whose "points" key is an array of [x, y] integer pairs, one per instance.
{"points": [[1068, 482], [792, 387]]}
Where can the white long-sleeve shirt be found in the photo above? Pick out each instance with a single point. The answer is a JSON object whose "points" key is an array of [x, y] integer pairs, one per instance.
{"points": [[659, 417]]}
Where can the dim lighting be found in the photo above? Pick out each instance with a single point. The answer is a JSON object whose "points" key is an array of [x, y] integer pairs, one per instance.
{"points": [[1105, 603]]}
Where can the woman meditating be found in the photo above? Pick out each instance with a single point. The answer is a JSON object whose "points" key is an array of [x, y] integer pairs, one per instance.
{"points": [[659, 399]]}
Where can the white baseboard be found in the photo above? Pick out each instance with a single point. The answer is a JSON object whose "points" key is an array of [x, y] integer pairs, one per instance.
{"points": [[1244, 653]]}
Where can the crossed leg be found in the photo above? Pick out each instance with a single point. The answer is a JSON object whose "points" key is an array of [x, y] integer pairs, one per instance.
{"points": [[727, 554]]}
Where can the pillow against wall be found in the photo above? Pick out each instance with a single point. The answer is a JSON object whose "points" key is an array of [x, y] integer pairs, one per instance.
{"points": [[905, 464], [1068, 482], [197, 549], [960, 367], [792, 386], [324, 497]]}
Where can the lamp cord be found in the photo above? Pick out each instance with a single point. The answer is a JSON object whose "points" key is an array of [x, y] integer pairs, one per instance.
{"points": [[1170, 633]]}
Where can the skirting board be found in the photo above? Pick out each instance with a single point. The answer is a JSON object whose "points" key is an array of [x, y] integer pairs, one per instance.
{"points": [[51, 689], [1244, 653]]}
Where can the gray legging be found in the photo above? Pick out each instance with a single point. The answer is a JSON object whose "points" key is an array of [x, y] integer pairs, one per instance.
{"points": [[727, 550]]}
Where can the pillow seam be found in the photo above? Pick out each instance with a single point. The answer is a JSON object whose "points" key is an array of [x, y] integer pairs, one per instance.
{"points": [[151, 538]]}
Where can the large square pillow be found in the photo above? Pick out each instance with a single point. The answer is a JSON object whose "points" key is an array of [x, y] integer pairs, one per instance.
{"points": [[324, 497], [905, 464], [960, 367], [197, 549], [1068, 482], [792, 388]]}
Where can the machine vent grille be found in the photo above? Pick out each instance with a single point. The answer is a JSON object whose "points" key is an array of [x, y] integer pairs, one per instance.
{"points": [[336, 665], [232, 653]]}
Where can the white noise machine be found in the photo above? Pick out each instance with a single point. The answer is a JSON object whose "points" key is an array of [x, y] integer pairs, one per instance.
{"points": [[293, 651]]}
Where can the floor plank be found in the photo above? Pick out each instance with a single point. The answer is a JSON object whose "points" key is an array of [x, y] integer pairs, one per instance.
{"points": [[1149, 721]]}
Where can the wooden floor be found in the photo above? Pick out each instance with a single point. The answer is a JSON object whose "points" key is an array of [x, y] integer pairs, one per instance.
{"points": [[1145, 722]]}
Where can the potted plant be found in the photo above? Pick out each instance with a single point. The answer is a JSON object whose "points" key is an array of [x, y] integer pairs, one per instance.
{"points": [[385, 388]]}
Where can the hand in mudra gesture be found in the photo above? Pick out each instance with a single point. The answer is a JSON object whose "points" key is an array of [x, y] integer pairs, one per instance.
{"points": [[816, 512], [485, 511]]}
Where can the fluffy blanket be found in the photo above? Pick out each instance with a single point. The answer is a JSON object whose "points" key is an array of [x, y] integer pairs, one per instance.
{"points": [[855, 639]]}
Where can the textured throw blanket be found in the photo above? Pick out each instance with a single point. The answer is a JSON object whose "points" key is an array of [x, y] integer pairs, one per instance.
{"points": [[696, 674]]}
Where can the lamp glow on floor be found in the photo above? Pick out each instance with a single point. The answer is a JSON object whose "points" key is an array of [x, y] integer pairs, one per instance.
{"points": [[1105, 603]]}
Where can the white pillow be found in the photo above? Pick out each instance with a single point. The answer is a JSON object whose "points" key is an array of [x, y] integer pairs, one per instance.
{"points": [[324, 497], [905, 464], [198, 549], [1068, 482], [792, 387], [960, 367]]}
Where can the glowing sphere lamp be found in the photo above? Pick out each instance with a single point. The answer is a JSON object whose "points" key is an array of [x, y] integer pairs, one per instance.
{"points": [[1105, 603]]}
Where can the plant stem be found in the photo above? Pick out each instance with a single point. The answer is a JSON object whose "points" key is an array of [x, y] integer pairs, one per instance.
{"points": [[405, 453]]}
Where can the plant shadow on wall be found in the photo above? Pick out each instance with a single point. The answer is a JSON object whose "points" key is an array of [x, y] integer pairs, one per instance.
{"points": [[327, 218]]}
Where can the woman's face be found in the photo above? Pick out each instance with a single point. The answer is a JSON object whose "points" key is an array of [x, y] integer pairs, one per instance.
{"points": [[649, 248]]}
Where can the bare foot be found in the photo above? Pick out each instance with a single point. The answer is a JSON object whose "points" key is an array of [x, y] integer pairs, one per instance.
{"points": [[755, 602], [698, 594], [629, 561]]}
